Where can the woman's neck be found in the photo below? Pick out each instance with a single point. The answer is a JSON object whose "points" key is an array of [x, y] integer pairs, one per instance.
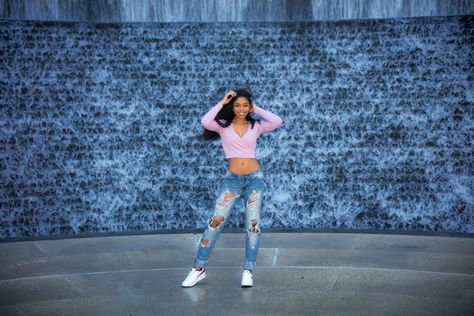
{"points": [[239, 121]]}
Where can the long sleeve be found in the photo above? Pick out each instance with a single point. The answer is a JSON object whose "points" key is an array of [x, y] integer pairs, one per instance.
{"points": [[272, 121], [208, 120]]}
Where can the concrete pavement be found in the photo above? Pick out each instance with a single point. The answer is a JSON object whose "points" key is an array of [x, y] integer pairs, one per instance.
{"points": [[296, 274]]}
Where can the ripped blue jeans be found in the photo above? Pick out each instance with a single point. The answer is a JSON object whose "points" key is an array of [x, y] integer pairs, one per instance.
{"points": [[249, 187]]}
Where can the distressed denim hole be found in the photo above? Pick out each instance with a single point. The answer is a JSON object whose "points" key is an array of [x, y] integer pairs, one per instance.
{"points": [[253, 198], [216, 221], [254, 229], [228, 196]]}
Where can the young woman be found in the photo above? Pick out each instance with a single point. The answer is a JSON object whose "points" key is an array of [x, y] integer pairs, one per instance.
{"points": [[230, 120]]}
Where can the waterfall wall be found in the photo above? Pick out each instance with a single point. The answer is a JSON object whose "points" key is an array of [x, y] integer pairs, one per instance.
{"points": [[99, 122], [227, 10]]}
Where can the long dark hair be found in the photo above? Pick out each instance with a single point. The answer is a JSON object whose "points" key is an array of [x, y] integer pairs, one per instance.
{"points": [[225, 116]]}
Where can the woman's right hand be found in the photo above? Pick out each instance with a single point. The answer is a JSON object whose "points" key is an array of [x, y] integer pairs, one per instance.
{"points": [[229, 95]]}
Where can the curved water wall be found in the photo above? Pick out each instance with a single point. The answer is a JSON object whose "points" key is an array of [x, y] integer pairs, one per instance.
{"points": [[227, 10], [99, 124]]}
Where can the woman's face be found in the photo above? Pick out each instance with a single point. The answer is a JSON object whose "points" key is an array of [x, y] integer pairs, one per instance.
{"points": [[241, 107]]}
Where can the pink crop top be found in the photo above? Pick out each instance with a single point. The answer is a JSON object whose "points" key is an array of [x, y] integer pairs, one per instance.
{"points": [[234, 146]]}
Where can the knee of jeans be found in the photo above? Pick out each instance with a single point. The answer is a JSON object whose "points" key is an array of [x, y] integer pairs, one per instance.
{"points": [[254, 228], [215, 222]]}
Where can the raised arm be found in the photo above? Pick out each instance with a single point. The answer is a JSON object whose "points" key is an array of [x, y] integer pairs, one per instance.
{"points": [[272, 121], [208, 120]]}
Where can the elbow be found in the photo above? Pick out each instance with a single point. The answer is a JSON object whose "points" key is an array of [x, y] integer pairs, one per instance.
{"points": [[279, 122], [205, 123], [208, 125]]}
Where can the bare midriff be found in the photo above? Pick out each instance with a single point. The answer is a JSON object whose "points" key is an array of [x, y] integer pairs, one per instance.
{"points": [[242, 166]]}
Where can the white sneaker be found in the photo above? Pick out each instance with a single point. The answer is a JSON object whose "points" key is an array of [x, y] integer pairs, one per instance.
{"points": [[194, 277], [247, 279]]}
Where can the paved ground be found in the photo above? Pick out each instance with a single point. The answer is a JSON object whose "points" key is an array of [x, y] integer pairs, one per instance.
{"points": [[296, 274]]}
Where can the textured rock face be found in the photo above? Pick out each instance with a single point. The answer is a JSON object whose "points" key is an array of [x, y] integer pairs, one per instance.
{"points": [[227, 10], [99, 122]]}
